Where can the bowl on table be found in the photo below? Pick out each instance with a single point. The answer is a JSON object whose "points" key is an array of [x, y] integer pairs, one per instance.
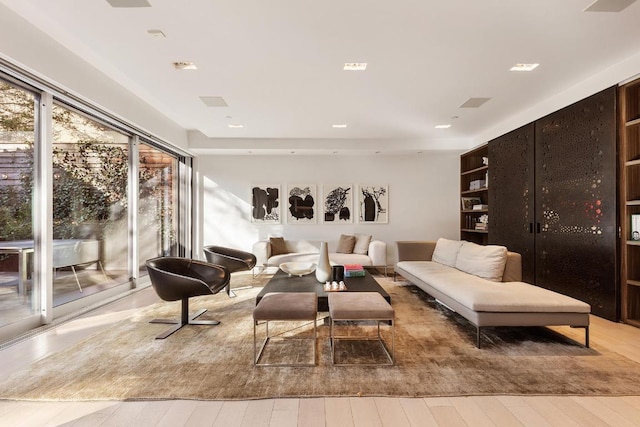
{"points": [[298, 268]]}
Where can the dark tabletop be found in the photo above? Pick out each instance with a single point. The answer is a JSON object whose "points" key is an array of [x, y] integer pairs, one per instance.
{"points": [[281, 282]]}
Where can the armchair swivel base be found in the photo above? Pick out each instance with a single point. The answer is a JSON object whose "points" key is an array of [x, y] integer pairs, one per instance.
{"points": [[185, 319]]}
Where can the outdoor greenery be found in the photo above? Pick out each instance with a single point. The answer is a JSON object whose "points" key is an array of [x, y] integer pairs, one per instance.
{"points": [[90, 173]]}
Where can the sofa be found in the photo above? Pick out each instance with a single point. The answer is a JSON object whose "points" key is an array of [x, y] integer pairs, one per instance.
{"points": [[484, 285], [370, 253]]}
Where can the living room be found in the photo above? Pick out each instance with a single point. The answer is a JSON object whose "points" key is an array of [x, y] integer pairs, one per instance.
{"points": [[398, 146]]}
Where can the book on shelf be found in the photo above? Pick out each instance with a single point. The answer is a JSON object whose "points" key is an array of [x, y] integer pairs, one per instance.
{"points": [[480, 207], [353, 267]]}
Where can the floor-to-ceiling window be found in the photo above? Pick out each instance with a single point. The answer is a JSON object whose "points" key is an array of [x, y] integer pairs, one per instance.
{"points": [[102, 194], [157, 204], [17, 138], [90, 222]]}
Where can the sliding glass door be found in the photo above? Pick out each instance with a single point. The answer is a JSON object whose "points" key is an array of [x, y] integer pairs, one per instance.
{"points": [[157, 204], [90, 203], [17, 139], [85, 200]]}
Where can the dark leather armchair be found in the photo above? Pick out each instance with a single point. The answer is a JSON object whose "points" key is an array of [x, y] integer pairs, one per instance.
{"points": [[182, 278], [233, 259]]}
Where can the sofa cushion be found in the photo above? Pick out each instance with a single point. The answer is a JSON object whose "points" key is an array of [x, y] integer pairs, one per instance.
{"points": [[342, 259], [278, 246], [346, 244], [446, 251], [483, 295], [362, 244], [483, 261]]}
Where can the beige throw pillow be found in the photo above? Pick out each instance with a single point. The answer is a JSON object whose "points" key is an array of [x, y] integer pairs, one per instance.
{"points": [[446, 252], [362, 244], [483, 261], [278, 246], [346, 244]]}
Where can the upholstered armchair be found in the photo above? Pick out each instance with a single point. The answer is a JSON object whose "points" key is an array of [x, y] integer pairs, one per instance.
{"points": [[176, 279], [232, 259]]}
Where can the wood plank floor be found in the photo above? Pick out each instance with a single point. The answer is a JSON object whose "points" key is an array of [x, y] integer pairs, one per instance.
{"points": [[561, 411]]}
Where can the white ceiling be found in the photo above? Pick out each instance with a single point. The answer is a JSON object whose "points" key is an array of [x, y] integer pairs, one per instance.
{"points": [[278, 63]]}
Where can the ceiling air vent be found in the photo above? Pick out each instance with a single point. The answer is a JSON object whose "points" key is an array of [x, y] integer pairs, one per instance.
{"points": [[608, 5], [214, 101], [129, 3], [474, 102]]}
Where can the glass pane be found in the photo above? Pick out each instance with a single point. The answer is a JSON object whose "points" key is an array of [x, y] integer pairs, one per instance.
{"points": [[90, 223], [17, 135], [157, 219]]}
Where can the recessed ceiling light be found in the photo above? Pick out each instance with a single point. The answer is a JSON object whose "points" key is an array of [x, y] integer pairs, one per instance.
{"points": [[443, 126], [156, 34], [523, 67], [235, 126], [355, 66], [184, 65], [340, 126], [129, 3]]}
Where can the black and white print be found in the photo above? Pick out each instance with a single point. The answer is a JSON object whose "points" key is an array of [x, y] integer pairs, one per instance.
{"points": [[373, 204], [302, 207], [337, 204], [265, 204]]}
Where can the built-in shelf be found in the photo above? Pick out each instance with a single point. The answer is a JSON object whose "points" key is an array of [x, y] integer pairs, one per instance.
{"points": [[633, 123], [629, 151], [476, 170], [479, 190]]}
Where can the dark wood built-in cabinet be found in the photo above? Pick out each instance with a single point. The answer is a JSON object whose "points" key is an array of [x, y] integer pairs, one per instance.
{"points": [[552, 196], [629, 97]]}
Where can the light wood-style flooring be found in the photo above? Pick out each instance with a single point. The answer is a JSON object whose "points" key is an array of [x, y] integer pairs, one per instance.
{"points": [[309, 412]]}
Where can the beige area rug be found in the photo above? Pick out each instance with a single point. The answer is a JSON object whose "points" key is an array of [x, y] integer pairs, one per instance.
{"points": [[435, 350]]}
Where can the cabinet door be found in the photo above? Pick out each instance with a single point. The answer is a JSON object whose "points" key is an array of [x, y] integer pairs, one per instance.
{"points": [[576, 202], [511, 195]]}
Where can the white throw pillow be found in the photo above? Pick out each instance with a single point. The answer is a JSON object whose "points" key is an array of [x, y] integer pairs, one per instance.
{"points": [[446, 252], [362, 244], [483, 261]]}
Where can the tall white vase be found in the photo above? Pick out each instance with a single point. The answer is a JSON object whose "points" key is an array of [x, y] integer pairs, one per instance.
{"points": [[323, 269]]}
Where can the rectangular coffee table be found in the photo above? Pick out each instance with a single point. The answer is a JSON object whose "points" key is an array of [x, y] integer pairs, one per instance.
{"points": [[281, 282]]}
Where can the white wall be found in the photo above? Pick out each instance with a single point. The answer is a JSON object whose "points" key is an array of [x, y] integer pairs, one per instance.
{"points": [[423, 196], [24, 45]]}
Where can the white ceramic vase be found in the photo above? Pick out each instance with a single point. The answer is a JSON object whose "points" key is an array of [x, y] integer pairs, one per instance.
{"points": [[323, 269]]}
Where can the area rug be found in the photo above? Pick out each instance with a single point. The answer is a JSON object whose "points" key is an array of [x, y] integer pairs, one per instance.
{"points": [[435, 356]]}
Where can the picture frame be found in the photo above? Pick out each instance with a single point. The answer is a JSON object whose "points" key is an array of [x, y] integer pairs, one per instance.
{"points": [[337, 204], [373, 204], [301, 204], [265, 204], [635, 227], [468, 202]]}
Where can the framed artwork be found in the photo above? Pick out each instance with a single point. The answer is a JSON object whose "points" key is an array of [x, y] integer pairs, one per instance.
{"points": [[373, 204], [301, 207], [337, 204], [468, 202], [635, 226], [265, 204]]}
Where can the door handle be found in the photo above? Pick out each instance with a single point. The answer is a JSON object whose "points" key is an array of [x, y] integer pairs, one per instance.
{"points": [[531, 227], [538, 227]]}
